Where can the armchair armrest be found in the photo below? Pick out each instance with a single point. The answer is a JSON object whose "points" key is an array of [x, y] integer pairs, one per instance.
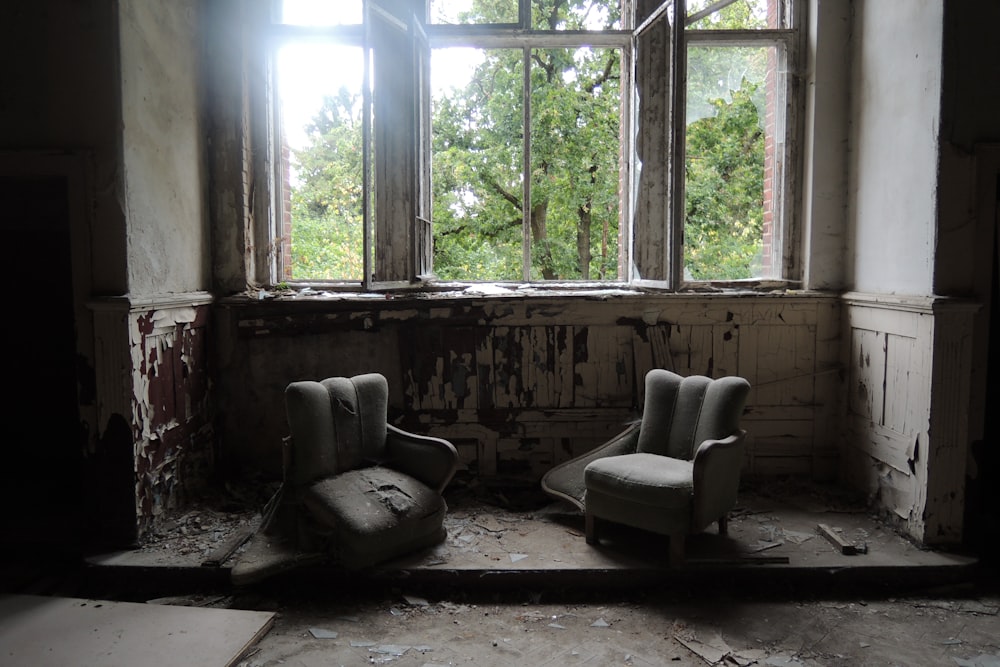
{"points": [[717, 468], [431, 460], [565, 481]]}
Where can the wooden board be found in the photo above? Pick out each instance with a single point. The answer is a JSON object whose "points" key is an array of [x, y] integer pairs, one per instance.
{"points": [[41, 631]]}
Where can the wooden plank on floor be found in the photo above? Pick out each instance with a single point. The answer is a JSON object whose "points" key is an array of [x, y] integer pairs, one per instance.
{"points": [[836, 539], [44, 631]]}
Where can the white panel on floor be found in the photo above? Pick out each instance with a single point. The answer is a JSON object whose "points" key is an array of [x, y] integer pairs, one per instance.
{"points": [[41, 631]]}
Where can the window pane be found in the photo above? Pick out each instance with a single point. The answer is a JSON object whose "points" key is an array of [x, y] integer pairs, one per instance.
{"points": [[476, 163], [546, 14], [735, 15], [321, 167], [466, 12], [318, 12], [733, 162], [575, 166], [576, 15]]}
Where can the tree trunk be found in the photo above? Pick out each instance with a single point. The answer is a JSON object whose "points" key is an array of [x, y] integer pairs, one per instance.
{"points": [[539, 237], [583, 239]]}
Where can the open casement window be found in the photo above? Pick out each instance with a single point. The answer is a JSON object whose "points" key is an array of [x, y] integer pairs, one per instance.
{"points": [[398, 53], [722, 120], [654, 241], [351, 103], [740, 119], [595, 141]]}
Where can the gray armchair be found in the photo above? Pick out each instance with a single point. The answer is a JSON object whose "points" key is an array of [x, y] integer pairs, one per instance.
{"points": [[357, 491], [674, 472]]}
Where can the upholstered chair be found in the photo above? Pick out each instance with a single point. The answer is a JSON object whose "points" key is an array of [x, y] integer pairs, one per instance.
{"points": [[674, 472], [357, 491]]}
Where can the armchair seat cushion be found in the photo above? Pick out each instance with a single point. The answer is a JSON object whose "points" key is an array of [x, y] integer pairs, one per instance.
{"points": [[376, 513], [648, 479]]}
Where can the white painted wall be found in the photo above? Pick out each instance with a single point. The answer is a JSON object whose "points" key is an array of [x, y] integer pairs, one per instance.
{"points": [[824, 182], [894, 138], [164, 175]]}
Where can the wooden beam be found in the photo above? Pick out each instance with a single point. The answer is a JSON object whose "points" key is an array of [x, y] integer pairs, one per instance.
{"points": [[836, 539]]}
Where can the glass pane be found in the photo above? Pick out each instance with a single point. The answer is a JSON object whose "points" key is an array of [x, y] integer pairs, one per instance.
{"points": [[546, 14], [318, 12], [575, 165], [320, 107], [466, 12], [576, 15], [476, 163], [733, 162], [735, 14]]}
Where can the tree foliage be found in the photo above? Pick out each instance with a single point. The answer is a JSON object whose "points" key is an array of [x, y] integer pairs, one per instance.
{"points": [[479, 207], [327, 224], [725, 190]]}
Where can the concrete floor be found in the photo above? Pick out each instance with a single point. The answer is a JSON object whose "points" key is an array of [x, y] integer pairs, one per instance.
{"points": [[516, 584]]}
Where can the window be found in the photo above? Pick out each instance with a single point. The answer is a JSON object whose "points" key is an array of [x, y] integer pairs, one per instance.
{"points": [[532, 140]]}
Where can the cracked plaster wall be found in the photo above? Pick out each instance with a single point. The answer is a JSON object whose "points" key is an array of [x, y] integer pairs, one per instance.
{"points": [[164, 174]]}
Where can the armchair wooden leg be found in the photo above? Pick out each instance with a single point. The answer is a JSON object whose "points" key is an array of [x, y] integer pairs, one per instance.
{"points": [[676, 550], [723, 524], [590, 527]]}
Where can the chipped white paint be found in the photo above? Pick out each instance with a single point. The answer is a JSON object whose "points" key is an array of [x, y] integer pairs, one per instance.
{"points": [[910, 358]]}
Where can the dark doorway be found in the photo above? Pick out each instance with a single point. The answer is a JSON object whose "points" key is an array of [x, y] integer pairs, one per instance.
{"points": [[42, 449]]}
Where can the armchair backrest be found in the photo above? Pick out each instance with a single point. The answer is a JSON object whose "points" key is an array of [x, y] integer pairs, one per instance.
{"points": [[679, 413], [336, 425]]}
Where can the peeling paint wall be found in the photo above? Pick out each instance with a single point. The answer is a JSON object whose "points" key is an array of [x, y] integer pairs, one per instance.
{"points": [[170, 385], [520, 384], [154, 377]]}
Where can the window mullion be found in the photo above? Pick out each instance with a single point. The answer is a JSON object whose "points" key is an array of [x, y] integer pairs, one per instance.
{"points": [[524, 13], [366, 159], [526, 166], [678, 129], [423, 246]]}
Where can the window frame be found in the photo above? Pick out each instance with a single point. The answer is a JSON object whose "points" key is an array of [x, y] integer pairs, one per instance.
{"points": [[419, 242]]}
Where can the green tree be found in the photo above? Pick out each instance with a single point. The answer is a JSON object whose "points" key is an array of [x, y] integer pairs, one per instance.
{"points": [[724, 164], [725, 190], [327, 225], [478, 131]]}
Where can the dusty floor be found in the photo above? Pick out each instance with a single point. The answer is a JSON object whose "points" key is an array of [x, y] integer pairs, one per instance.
{"points": [[406, 630], [516, 584], [495, 530]]}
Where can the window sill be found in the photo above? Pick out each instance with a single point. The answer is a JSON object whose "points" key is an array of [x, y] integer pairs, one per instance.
{"points": [[318, 293]]}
